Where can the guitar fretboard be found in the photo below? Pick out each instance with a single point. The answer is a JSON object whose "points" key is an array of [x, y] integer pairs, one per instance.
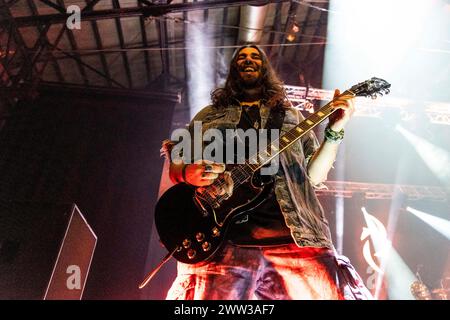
{"points": [[258, 160]]}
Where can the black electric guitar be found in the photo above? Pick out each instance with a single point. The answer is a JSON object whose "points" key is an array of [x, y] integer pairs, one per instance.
{"points": [[193, 225]]}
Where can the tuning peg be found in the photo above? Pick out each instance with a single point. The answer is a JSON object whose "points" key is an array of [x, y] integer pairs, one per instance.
{"points": [[374, 96], [387, 91]]}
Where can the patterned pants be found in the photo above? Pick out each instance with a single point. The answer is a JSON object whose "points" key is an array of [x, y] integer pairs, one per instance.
{"points": [[285, 272]]}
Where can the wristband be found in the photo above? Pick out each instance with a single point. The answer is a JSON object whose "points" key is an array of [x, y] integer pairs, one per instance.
{"points": [[334, 136]]}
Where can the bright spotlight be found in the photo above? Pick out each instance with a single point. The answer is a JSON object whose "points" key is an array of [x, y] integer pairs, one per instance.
{"points": [[439, 224], [391, 266], [200, 64], [436, 158], [387, 38], [358, 37]]}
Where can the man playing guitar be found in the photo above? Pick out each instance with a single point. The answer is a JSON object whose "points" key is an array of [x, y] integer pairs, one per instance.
{"points": [[281, 248]]}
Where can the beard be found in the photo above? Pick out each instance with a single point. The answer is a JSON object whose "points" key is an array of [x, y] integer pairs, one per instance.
{"points": [[249, 89], [252, 83]]}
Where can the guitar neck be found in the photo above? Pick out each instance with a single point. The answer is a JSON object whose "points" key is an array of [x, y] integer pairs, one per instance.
{"points": [[240, 174], [263, 157]]}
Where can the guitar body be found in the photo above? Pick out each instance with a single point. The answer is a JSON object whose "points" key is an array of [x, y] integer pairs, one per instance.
{"points": [[187, 221]]}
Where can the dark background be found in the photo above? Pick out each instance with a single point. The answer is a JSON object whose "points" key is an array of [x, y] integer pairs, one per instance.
{"points": [[102, 153]]}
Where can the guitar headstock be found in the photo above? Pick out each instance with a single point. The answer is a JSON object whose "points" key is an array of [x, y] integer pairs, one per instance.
{"points": [[373, 88]]}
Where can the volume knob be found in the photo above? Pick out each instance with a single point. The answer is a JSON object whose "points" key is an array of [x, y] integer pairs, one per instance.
{"points": [[186, 243], [200, 236], [206, 246], [191, 253]]}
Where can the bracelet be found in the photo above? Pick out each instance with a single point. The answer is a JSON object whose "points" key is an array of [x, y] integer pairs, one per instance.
{"points": [[334, 136]]}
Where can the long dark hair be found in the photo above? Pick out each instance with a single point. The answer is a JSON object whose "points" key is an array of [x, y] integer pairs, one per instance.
{"points": [[273, 93]]}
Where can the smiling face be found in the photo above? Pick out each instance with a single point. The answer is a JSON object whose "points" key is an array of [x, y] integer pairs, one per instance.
{"points": [[249, 65]]}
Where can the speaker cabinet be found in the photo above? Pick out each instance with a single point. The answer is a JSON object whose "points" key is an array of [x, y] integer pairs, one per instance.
{"points": [[45, 251]]}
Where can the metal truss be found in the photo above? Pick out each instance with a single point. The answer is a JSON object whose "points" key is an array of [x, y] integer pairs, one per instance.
{"points": [[19, 70], [438, 113], [22, 67], [383, 191], [150, 9], [304, 99], [15, 59]]}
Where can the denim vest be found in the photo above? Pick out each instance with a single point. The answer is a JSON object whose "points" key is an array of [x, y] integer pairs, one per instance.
{"points": [[295, 193]]}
